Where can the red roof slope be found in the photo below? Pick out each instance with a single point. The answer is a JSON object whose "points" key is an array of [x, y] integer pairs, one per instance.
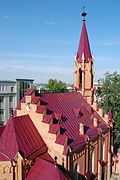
{"points": [[1, 130], [66, 103], [84, 47], [45, 170], [20, 135]]}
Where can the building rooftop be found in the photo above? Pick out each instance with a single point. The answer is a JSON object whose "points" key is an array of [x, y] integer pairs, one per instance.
{"points": [[43, 169], [20, 135], [68, 110]]}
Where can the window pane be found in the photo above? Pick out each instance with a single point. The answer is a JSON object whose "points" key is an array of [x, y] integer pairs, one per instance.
{"points": [[1, 98], [1, 111], [11, 99]]}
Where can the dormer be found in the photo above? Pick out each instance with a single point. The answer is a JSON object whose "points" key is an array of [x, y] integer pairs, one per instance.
{"points": [[78, 113]]}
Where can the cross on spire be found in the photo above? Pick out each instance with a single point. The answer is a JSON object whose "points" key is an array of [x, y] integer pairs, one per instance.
{"points": [[84, 47], [84, 13]]}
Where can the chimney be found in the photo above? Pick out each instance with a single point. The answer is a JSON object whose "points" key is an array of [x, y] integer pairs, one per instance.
{"points": [[81, 128], [95, 122]]}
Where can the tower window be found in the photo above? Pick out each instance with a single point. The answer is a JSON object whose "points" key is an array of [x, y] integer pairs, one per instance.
{"points": [[80, 78], [91, 80]]}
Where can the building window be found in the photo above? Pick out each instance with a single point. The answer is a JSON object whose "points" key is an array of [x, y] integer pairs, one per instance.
{"points": [[11, 99], [76, 174], [93, 159], [1, 116], [11, 112], [2, 87], [1, 111], [102, 150], [12, 89], [1, 99], [23, 87], [1, 122], [80, 78]]}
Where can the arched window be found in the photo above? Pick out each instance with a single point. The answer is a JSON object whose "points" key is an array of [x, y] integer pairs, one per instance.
{"points": [[91, 80], [80, 78], [102, 149], [93, 159], [76, 172]]}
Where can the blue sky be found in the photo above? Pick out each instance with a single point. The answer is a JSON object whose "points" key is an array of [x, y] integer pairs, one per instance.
{"points": [[39, 38]]}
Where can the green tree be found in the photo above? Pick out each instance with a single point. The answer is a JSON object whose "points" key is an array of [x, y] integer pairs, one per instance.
{"points": [[55, 85], [110, 98]]}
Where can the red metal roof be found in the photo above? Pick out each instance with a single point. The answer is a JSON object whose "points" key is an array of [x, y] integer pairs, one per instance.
{"points": [[78, 142], [18, 106], [61, 139], [1, 130], [29, 91], [92, 133], [84, 47], [54, 128], [22, 100], [58, 116], [40, 109], [65, 103], [47, 157], [46, 171], [35, 100], [20, 135], [3, 157], [47, 118], [66, 150]]}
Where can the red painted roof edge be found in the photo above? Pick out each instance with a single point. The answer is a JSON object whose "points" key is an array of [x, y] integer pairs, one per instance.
{"points": [[35, 100], [2, 129], [29, 91], [54, 128], [41, 108]]}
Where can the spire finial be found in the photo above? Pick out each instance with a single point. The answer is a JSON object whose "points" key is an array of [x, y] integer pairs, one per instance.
{"points": [[84, 13]]}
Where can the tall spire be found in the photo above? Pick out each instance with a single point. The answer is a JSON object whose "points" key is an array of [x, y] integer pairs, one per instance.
{"points": [[84, 47]]}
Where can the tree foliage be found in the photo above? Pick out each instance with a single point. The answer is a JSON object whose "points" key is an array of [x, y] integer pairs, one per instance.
{"points": [[55, 85], [110, 98]]}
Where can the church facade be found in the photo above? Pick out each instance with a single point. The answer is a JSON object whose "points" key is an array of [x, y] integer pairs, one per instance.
{"points": [[64, 130]]}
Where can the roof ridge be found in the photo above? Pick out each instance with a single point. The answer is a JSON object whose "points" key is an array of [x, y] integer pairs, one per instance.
{"points": [[5, 134], [13, 119]]}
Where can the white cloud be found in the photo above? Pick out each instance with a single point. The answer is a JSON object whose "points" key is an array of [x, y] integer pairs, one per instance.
{"points": [[32, 55], [16, 69], [50, 23], [112, 42], [100, 72], [6, 17]]}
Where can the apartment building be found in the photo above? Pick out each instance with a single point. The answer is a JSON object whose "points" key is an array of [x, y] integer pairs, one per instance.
{"points": [[10, 94]]}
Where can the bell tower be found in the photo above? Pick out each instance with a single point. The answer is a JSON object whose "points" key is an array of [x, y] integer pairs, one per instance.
{"points": [[84, 67]]}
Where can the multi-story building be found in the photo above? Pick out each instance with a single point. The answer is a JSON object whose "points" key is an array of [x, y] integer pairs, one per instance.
{"points": [[10, 94]]}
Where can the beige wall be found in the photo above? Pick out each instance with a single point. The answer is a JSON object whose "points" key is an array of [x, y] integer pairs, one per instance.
{"points": [[6, 170], [87, 78]]}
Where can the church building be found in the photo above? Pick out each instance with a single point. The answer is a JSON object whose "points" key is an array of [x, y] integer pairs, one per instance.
{"points": [[60, 135]]}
